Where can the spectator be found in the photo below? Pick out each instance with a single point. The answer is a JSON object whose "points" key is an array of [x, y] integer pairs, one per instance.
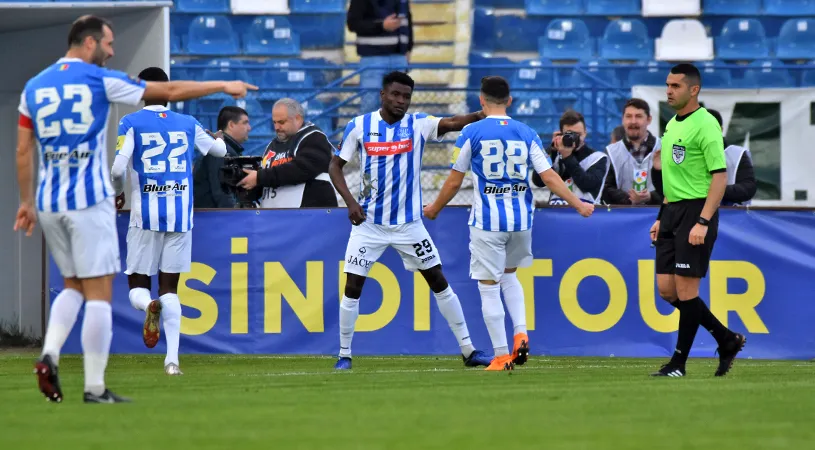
{"points": [[384, 30], [233, 122], [581, 168], [630, 180], [617, 134]]}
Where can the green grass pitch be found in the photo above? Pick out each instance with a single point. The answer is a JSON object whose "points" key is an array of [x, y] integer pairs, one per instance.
{"points": [[268, 402]]}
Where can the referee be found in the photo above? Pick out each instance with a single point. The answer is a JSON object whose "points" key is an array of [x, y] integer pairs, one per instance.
{"points": [[694, 177]]}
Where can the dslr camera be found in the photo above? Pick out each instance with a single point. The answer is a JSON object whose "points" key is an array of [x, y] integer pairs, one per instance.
{"points": [[232, 173], [571, 139]]}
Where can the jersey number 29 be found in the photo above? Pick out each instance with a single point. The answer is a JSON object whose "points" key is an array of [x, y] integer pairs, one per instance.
{"points": [[515, 167], [176, 157]]}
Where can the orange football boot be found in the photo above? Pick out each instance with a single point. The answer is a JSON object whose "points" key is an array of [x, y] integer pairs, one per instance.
{"points": [[520, 351], [151, 324], [501, 363]]}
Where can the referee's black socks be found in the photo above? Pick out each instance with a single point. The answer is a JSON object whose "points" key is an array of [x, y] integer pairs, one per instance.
{"points": [[689, 318], [709, 321]]}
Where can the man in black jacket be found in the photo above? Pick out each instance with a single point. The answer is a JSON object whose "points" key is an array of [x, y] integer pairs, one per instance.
{"points": [[233, 123], [384, 30], [581, 168], [295, 165]]}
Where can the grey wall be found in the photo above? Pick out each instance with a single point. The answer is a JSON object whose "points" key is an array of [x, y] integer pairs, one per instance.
{"points": [[142, 40]]}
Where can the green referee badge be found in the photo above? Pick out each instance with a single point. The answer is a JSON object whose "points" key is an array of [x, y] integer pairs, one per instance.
{"points": [[678, 153], [640, 180], [570, 184]]}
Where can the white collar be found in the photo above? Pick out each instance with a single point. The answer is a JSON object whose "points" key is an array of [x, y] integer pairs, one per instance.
{"points": [[157, 108], [498, 117]]}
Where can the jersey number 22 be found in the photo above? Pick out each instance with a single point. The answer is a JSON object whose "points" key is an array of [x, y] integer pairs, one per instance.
{"points": [[176, 157]]}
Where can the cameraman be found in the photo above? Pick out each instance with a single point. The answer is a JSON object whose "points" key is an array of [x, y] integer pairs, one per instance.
{"points": [[581, 168], [233, 122], [294, 170]]}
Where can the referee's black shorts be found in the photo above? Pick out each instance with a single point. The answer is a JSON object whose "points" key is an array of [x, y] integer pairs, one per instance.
{"points": [[675, 255]]}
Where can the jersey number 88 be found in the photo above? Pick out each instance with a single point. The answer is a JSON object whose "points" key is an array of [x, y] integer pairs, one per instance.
{"points": [[494, 152]]}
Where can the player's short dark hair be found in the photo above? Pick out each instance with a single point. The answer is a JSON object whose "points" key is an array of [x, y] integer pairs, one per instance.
{"points": [[154, 74], [618, 133], [638, 103], [571, 117], [495, 90], [397, 77], [87, 26], [692, 74], [717, 115], [230, 114]]}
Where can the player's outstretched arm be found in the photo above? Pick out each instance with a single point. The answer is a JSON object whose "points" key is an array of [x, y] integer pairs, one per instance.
{"points": [[26, 216], [456, 123], [553, 181], [448, 191], [175, 91]]}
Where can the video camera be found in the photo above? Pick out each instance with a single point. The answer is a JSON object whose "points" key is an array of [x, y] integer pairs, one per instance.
{"points": [[232, 173]]}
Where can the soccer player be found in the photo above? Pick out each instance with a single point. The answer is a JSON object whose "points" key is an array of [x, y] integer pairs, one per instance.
{"points": [[500, 151], [64, 113], [390, 143], [159, 238], [694, 180]]}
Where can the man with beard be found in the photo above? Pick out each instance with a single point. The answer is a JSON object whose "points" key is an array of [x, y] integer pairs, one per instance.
{"points": [[295, 165], [629, 178], [695, 177], [390, 143]]}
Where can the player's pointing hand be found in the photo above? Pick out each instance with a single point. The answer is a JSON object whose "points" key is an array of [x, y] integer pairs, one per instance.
{"points": [[238, 89]]}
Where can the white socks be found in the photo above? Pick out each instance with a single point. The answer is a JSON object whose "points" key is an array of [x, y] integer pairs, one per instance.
{"points": [[171, 316], [349, 311], [450, 308], [140, 298], [61, 320], [97, 332], [514, 299], [493, 311]]}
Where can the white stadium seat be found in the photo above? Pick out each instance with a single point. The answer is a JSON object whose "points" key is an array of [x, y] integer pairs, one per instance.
{"points": [[684, 40], [667, 8]]}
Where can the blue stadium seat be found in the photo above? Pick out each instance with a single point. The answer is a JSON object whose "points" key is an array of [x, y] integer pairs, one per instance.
{"points": [[203, 6], [765, 74], [319, 31], [789, 7], [271, 36], [484, 22], [566, 39], [176, 46], [314, 113], [650, 73], [626, 39], [513, 32], [742, 39], [715, 77], [257, 116], [486, 60], [796, 40], [317, 6], [613, 7], [732, 7], [226, 69], [808, 77], [538, 112], [554, 7], [502, 4], [591, 74], [323, 76], [279, 82], [212, 35]]}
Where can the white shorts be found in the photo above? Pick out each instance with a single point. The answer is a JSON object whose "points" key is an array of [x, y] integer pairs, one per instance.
{"points": [[84, 243], [368, 241], [150, 251], [491, 252]]}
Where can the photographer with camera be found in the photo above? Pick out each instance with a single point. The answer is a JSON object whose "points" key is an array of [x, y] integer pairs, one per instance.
{"points": [[294, 169], [581, 168], [233, 125]]}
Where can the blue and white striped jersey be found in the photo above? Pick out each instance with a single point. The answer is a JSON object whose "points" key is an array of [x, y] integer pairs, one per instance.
{"points": [[500, 151], [67, 105], [157, 143], [390, 164]]}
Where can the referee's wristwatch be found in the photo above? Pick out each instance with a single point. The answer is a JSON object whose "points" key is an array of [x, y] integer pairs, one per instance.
{"points": [[703, 221]]}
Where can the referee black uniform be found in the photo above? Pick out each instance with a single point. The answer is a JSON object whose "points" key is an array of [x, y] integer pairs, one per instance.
{"points": [[692, 155]]}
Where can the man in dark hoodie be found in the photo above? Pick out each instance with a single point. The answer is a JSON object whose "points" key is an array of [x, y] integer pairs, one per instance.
{"points": [[233, 123]]}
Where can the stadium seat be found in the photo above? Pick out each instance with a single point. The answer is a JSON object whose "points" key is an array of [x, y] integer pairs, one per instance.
{"points": [[269, 36], [554, 7], [202, 6], [538, 112], [684, 40], [732, 7], [212, 35], [742, 39], [715, 77], [808, 77], [796, 40], [319, 31], [282, 82], [671, 8], [566, 39], [176, 47], [315, 113], [590, 74], [327, 72], [789, 7], [613, 7], [650, 73], [765, 74], [626, 39], [484, 22], [317, 6]]}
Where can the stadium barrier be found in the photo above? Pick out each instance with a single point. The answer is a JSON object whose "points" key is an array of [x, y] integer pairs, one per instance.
{"points": [[269, 282]]}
